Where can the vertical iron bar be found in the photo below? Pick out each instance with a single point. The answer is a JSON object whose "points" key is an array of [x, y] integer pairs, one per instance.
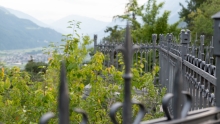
{"points": [[216, 51], [147, 60], [211, 52], [111, 57], [63, 99], [127, 50], [136, 59], [145, 67], [177, 92], [209, 103], [117, 60], [127, 115], [191, 84], [200, 95], [197, 90], [160, 62], [202, 38], [169, 40], [141, 61], [154, 38], [95, 43]]}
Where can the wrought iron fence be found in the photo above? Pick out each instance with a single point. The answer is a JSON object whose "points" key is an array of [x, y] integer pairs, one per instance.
{"points": [[145, 53], [190, 76]]}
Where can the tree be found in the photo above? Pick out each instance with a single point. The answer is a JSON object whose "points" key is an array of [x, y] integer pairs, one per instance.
{"points": [[192, 6], [152, 22], [35, 67], [2, 64], [201, 18], [116, 34]]}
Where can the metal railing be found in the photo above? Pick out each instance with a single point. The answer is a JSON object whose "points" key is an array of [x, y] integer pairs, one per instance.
{"points": [[191, 78]]}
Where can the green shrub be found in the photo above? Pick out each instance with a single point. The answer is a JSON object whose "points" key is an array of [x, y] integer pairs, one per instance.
{"points": [[35, 67], [23, 101]]}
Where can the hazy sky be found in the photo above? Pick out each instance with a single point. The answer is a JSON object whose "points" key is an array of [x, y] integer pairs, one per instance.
{"points": [[51, 10], [46, 10]]}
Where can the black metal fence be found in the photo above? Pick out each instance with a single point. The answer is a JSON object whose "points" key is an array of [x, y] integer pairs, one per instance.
{"points": [[187, 71], [145, 53]]}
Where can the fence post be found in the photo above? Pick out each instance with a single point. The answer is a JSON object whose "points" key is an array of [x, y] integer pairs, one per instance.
{"points": [[95, 43], [161, 61], [184, 40], [168, 83], [216, 42]]}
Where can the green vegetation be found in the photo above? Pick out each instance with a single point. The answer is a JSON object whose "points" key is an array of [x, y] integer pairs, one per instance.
{"points": [[36, 69], [24, 101], [152, 23], [192, 6], [116, 34], [199, 18]]}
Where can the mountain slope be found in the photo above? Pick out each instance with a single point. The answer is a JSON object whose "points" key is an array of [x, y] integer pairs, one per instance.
{"points": [[26, 16], [17, 33], [22, 15]]}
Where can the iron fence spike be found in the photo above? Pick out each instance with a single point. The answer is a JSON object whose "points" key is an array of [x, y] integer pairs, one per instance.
{"points": [[63, 99]]}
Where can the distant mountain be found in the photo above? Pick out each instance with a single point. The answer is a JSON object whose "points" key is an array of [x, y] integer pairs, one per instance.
{"points": [[90, 26], [87, 27], [22, 15], [17, 33]]}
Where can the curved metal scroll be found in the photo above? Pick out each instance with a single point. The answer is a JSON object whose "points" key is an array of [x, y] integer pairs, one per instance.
{"points": [[116, 106], [46, 117], [113, 111], [141, 113], [85, 119], [165, 103], [186, 107], [187, 104]]}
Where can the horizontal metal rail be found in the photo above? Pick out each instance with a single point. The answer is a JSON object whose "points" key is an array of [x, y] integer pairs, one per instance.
{"points": [[195, 117], [199, 71]]}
